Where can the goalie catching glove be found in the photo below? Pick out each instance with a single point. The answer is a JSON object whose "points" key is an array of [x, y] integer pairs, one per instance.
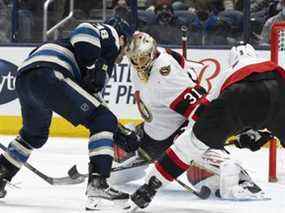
{"points": [[253, 140]]}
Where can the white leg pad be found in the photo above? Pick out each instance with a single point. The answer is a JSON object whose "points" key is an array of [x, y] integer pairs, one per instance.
{"points": [[229, 178], [188, 148]]}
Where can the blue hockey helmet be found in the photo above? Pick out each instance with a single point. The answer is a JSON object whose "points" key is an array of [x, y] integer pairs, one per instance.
{"points": [[121, 26]]}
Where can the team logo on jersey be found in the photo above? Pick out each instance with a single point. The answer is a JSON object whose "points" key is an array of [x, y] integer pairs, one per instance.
{"points": [[7, 81], [165, 70]]}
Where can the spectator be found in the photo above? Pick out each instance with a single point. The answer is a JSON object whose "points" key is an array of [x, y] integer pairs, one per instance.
{"points": [[207, 28], [181, 4], [166, 26], [152, 4], [4, 23], [121, 9], [265, 34]]}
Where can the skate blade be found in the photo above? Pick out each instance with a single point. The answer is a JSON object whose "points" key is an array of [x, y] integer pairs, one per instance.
{"points": [[120, 203], [94, 204], [130, 207]]}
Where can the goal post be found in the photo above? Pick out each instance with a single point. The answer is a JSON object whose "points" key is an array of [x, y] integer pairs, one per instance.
{"points": [[277, 48]]}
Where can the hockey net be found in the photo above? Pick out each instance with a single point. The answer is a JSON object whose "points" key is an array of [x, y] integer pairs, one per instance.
{"points": [[276, 153]]}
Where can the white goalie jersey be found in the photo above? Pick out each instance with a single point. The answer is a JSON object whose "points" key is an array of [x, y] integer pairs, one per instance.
{"points": [[173, 92], [168, 98]]}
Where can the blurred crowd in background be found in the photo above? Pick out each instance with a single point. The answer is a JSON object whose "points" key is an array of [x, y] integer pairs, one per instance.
{"points": [[209, 22]]}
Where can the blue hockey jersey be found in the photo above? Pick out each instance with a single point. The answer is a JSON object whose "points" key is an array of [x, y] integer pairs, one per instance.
{"points": [[71, 56]]}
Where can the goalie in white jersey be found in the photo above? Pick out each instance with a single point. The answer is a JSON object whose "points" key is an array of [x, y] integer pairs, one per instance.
{"points": [[166, 85]]}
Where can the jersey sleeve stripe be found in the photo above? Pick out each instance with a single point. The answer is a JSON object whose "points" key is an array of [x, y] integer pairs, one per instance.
{"points": [[183, 103], [180, 104]]}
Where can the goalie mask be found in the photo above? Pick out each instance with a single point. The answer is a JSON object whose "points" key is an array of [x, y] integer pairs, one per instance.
{"points": [[142, 51]]}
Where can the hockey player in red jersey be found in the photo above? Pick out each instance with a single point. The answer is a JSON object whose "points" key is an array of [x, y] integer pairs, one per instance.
{"points": [[219, 112]]}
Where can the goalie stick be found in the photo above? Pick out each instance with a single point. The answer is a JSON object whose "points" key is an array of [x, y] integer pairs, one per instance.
{"points": [[204, 192]]}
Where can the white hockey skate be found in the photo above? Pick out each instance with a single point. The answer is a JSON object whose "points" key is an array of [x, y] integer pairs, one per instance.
{"points": [[101, 196], [248, 191]]}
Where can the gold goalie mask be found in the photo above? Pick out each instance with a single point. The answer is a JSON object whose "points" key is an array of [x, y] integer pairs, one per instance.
{"points": [[141, 51]]}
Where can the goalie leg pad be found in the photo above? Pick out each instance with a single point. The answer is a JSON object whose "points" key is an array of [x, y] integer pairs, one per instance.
{"points": [[229, 178], [127, 175], [188, 148]]}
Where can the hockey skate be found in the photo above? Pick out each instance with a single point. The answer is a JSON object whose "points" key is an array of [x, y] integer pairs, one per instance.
{"points": [[248, 191], [3, 181], [98, 191], [144, 195]]}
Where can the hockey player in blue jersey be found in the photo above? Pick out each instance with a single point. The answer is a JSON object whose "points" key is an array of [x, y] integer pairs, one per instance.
{"points": [[61, 77]]}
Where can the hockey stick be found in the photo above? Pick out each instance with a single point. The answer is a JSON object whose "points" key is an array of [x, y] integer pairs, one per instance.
{"points": [[204, 192], [74, 174], [74, 177], [51, 180], [184, 40]]}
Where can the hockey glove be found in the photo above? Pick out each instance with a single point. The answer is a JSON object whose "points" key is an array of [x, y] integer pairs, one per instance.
{"points": [[128, 141], [253, 140], [144, 195], [95, 76]]}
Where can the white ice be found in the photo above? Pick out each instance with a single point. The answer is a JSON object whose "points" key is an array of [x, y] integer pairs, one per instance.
{"points": [[59, 154]]}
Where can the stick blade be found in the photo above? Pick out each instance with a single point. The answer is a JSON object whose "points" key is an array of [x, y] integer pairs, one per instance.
{"points": [[73, 172]]}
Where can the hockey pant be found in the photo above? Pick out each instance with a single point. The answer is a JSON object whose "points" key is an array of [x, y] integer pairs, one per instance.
{"points": [[43, 91]]}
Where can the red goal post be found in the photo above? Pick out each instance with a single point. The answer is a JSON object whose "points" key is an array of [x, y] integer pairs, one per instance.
{"points": [[278, 56]]}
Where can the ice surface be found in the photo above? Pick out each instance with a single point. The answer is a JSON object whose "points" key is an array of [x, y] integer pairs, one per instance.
{"points": [[59, 154]]}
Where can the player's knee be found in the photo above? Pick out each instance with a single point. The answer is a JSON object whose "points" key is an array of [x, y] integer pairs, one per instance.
{"points": [[103, 120]]}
